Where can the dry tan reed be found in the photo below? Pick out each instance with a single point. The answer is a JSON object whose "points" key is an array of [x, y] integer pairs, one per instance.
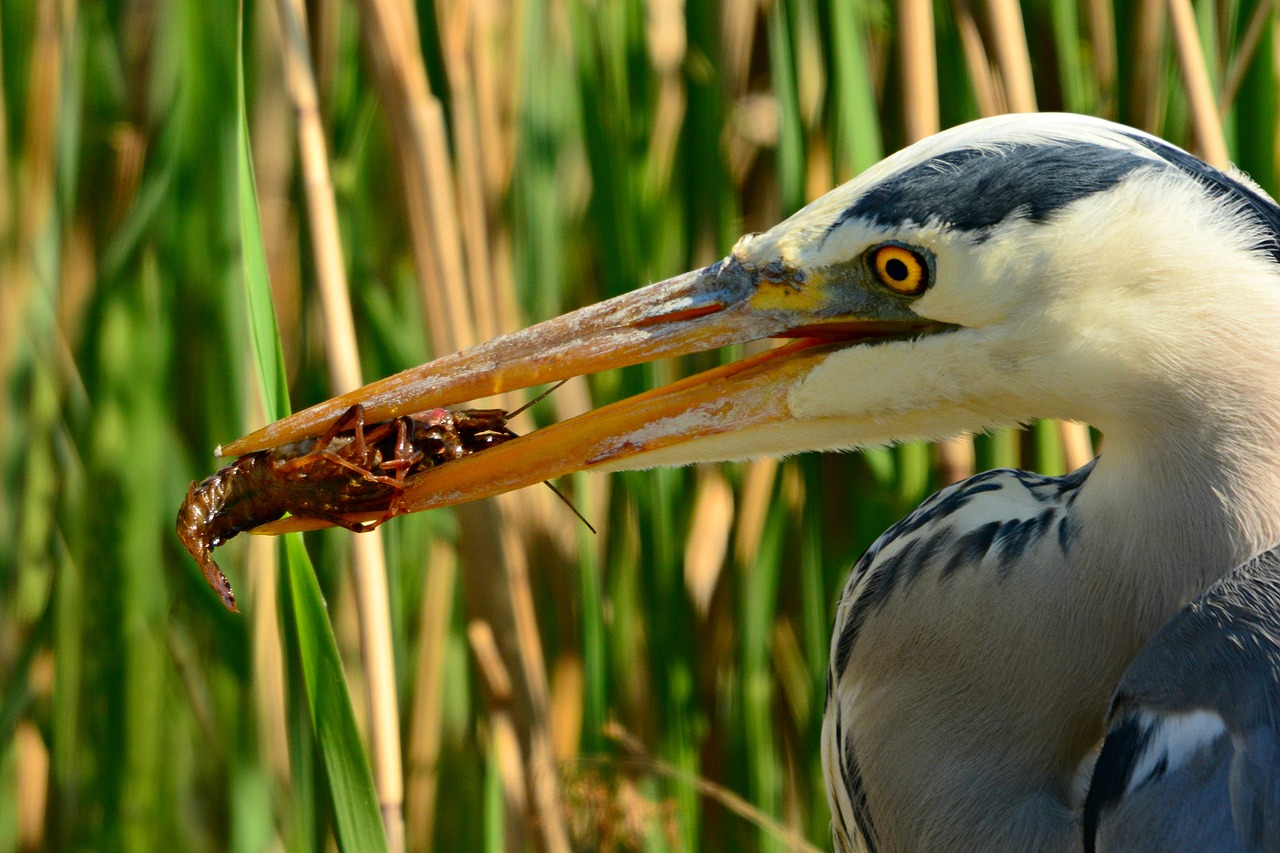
{"points": [[1210, 141], [368, 565]]}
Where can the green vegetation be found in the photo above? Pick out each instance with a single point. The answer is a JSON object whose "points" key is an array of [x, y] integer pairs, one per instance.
{"points": [[490, 163]]}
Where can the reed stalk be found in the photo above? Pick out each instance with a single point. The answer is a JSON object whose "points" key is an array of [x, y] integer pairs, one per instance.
{"points": [[368, 565]]}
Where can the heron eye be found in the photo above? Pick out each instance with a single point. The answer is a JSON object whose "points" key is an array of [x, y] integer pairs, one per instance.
{"points": [[900, 269]]}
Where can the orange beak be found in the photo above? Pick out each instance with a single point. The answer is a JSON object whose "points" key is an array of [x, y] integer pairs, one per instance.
{"points": [[726, 303]]}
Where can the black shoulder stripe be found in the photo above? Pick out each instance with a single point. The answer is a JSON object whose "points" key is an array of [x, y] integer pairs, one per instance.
{"points": [[971, 548], [873, 592], [929, 537], [858, 795], [1120, 751], [1017, 535], [1068, 527], [944, 503]]}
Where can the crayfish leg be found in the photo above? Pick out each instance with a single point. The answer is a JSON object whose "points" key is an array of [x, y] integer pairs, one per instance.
{"points": [[347, 524], [365, 473], [357, 457]]}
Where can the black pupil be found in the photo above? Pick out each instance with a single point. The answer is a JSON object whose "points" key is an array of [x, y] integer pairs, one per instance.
{"points": [[896, 269]]}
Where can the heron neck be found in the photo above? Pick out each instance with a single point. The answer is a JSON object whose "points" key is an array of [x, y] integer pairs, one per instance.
{"points": [[1191, 487], [1184, 391]]}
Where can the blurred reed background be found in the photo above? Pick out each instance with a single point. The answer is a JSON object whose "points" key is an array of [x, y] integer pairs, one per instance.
{"points": [[429, 175]]}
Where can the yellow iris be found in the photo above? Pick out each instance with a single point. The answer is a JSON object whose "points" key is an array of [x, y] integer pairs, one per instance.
{"points": [[901, 270]]}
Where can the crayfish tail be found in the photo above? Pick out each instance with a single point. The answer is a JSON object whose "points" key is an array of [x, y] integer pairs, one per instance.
{"points": [[195, 530], [220, 584]]}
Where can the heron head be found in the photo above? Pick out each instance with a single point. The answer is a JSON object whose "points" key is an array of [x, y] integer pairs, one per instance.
{"points": [[1012, 268]]}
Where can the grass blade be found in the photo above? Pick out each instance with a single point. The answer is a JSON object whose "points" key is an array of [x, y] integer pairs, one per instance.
{"points": [[355, 803]]}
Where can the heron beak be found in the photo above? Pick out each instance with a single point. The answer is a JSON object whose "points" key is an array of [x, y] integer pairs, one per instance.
{"points": [[716, 306]]}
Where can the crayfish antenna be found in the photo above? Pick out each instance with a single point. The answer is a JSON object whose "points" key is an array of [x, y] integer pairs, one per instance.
{"points": [[570, 505]]}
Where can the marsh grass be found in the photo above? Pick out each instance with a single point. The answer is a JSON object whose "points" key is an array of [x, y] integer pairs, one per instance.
{"points": [[520, 681]]}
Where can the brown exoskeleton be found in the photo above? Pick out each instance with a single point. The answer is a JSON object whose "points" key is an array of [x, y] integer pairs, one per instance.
{"points": [[353, 468]]}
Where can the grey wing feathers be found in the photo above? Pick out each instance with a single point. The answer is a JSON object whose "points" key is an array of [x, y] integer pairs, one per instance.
{"points": [[990, 520], [1255, 790], [1190, 760]]}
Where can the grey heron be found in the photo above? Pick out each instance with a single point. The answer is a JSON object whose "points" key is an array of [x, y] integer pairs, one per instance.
{"points": [[1021, 267]]}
